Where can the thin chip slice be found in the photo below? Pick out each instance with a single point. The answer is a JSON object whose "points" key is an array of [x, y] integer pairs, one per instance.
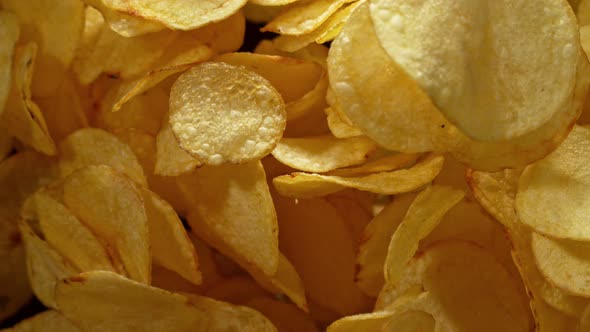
{"points": [[88, 300], [423, 215], [22, 117], [564, 263], [386, 163], [9, 33], [272, 2], [411, 320], [503, 96], [44, 265], [111, 206], [47, 321], [558, 210], [302, 185], [69, 237], [313, 101], [305, 17], [232, 207], [170, 245], [57, 28], [339, 127], [217, 128], [236, 290], [127, 25], [91, 146], [323, 154], [285, 316], [171, 159]]}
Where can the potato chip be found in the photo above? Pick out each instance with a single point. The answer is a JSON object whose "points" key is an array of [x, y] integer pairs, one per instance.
{"points": [[355, 209], [384, 164], [9, 33], [171, 159], [339, 126], [513, 99], [323, 154], [112, 207], [6, 144], [69, 237], [293, 80], [583, 12], [304, 185], [127, 25], [557, 210], [272, 2], [177, 15], [236, 290], [313, 101], [585, 320], [549, 319], [411, 320], [47, 321], [22, 117], [261, 13], [423, 215], [56, 28], [326, 259], [564, 263], [305, 17], [285, 316], [313, 52], [232, 207], [377, 235], [169, 243], [93, 146], [13, 272], [45, 266], [87, 300], [197, 121]]}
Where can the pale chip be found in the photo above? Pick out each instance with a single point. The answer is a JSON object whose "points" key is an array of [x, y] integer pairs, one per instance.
{"points": [[305, 17]]}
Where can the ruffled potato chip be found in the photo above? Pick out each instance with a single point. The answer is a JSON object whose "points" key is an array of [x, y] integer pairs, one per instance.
{"points": [[305, 17]]}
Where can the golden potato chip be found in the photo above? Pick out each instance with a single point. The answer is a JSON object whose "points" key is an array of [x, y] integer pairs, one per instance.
{"points": [[423, 215], [384, 164], [127, 25], [292, 78], [326, 259], [22, 117], [411, 320], [93, 146], [583, 12], [564, 263], [313, 101], [355, 208], [166, 279], [9, 33], [13, 272], [6, 144], [170, 245], [177, 15], [305, 17], [56, 28], [252, 118], [412, 36], [45, 266], [272, 2], [339, 127], [313, 52], [557, 210], [585, 320], [232, 207], [327, 31], [377, 235], [171, 159], [69, 237], [47, 321], [88, 300], [323, 154], [549, 319], [304, 185], [258, 14], [112, 207], [236, 290], [285, 316]]}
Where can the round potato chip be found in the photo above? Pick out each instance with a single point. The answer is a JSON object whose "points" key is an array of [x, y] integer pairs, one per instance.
{"points": [[47, 321], [9, 32], [225, 114], [553, 194], [304, 17], [475, 59]]}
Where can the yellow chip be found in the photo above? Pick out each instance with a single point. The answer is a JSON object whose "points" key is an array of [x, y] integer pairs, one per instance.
{"points": [[9, 33], [22, 117], [236, 290], [93, 146], [285, 316], [304, 185], [47, 321], [56, 28], [127, 25], [583, 12], [503, 96], [112, 207], [171, 159], [313, 101], [218, 128], [323, 154], [305, 17], [231, 206], [384, 164], [339, 126], [272, 2], [552, 193]]}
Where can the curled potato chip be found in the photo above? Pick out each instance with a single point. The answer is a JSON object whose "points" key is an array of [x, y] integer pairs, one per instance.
{"points": [[126, 25], [171, 159], [564, 263], [322, 154], [235, 129], [272, 2], [236, 290], [313, 101], [232, 207], [22, 117], [57, 28], [305, 17], [112, 207], [93, 146], [304, 185], [557, 210], [339, 126], [169, 243], [527, 100], [423, 215], [69, 237], [9, 33], [47, 321], [383, 164], [285, 316]]}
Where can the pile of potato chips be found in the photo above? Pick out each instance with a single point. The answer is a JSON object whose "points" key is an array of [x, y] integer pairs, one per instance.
{"points": [[428, 171]]}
